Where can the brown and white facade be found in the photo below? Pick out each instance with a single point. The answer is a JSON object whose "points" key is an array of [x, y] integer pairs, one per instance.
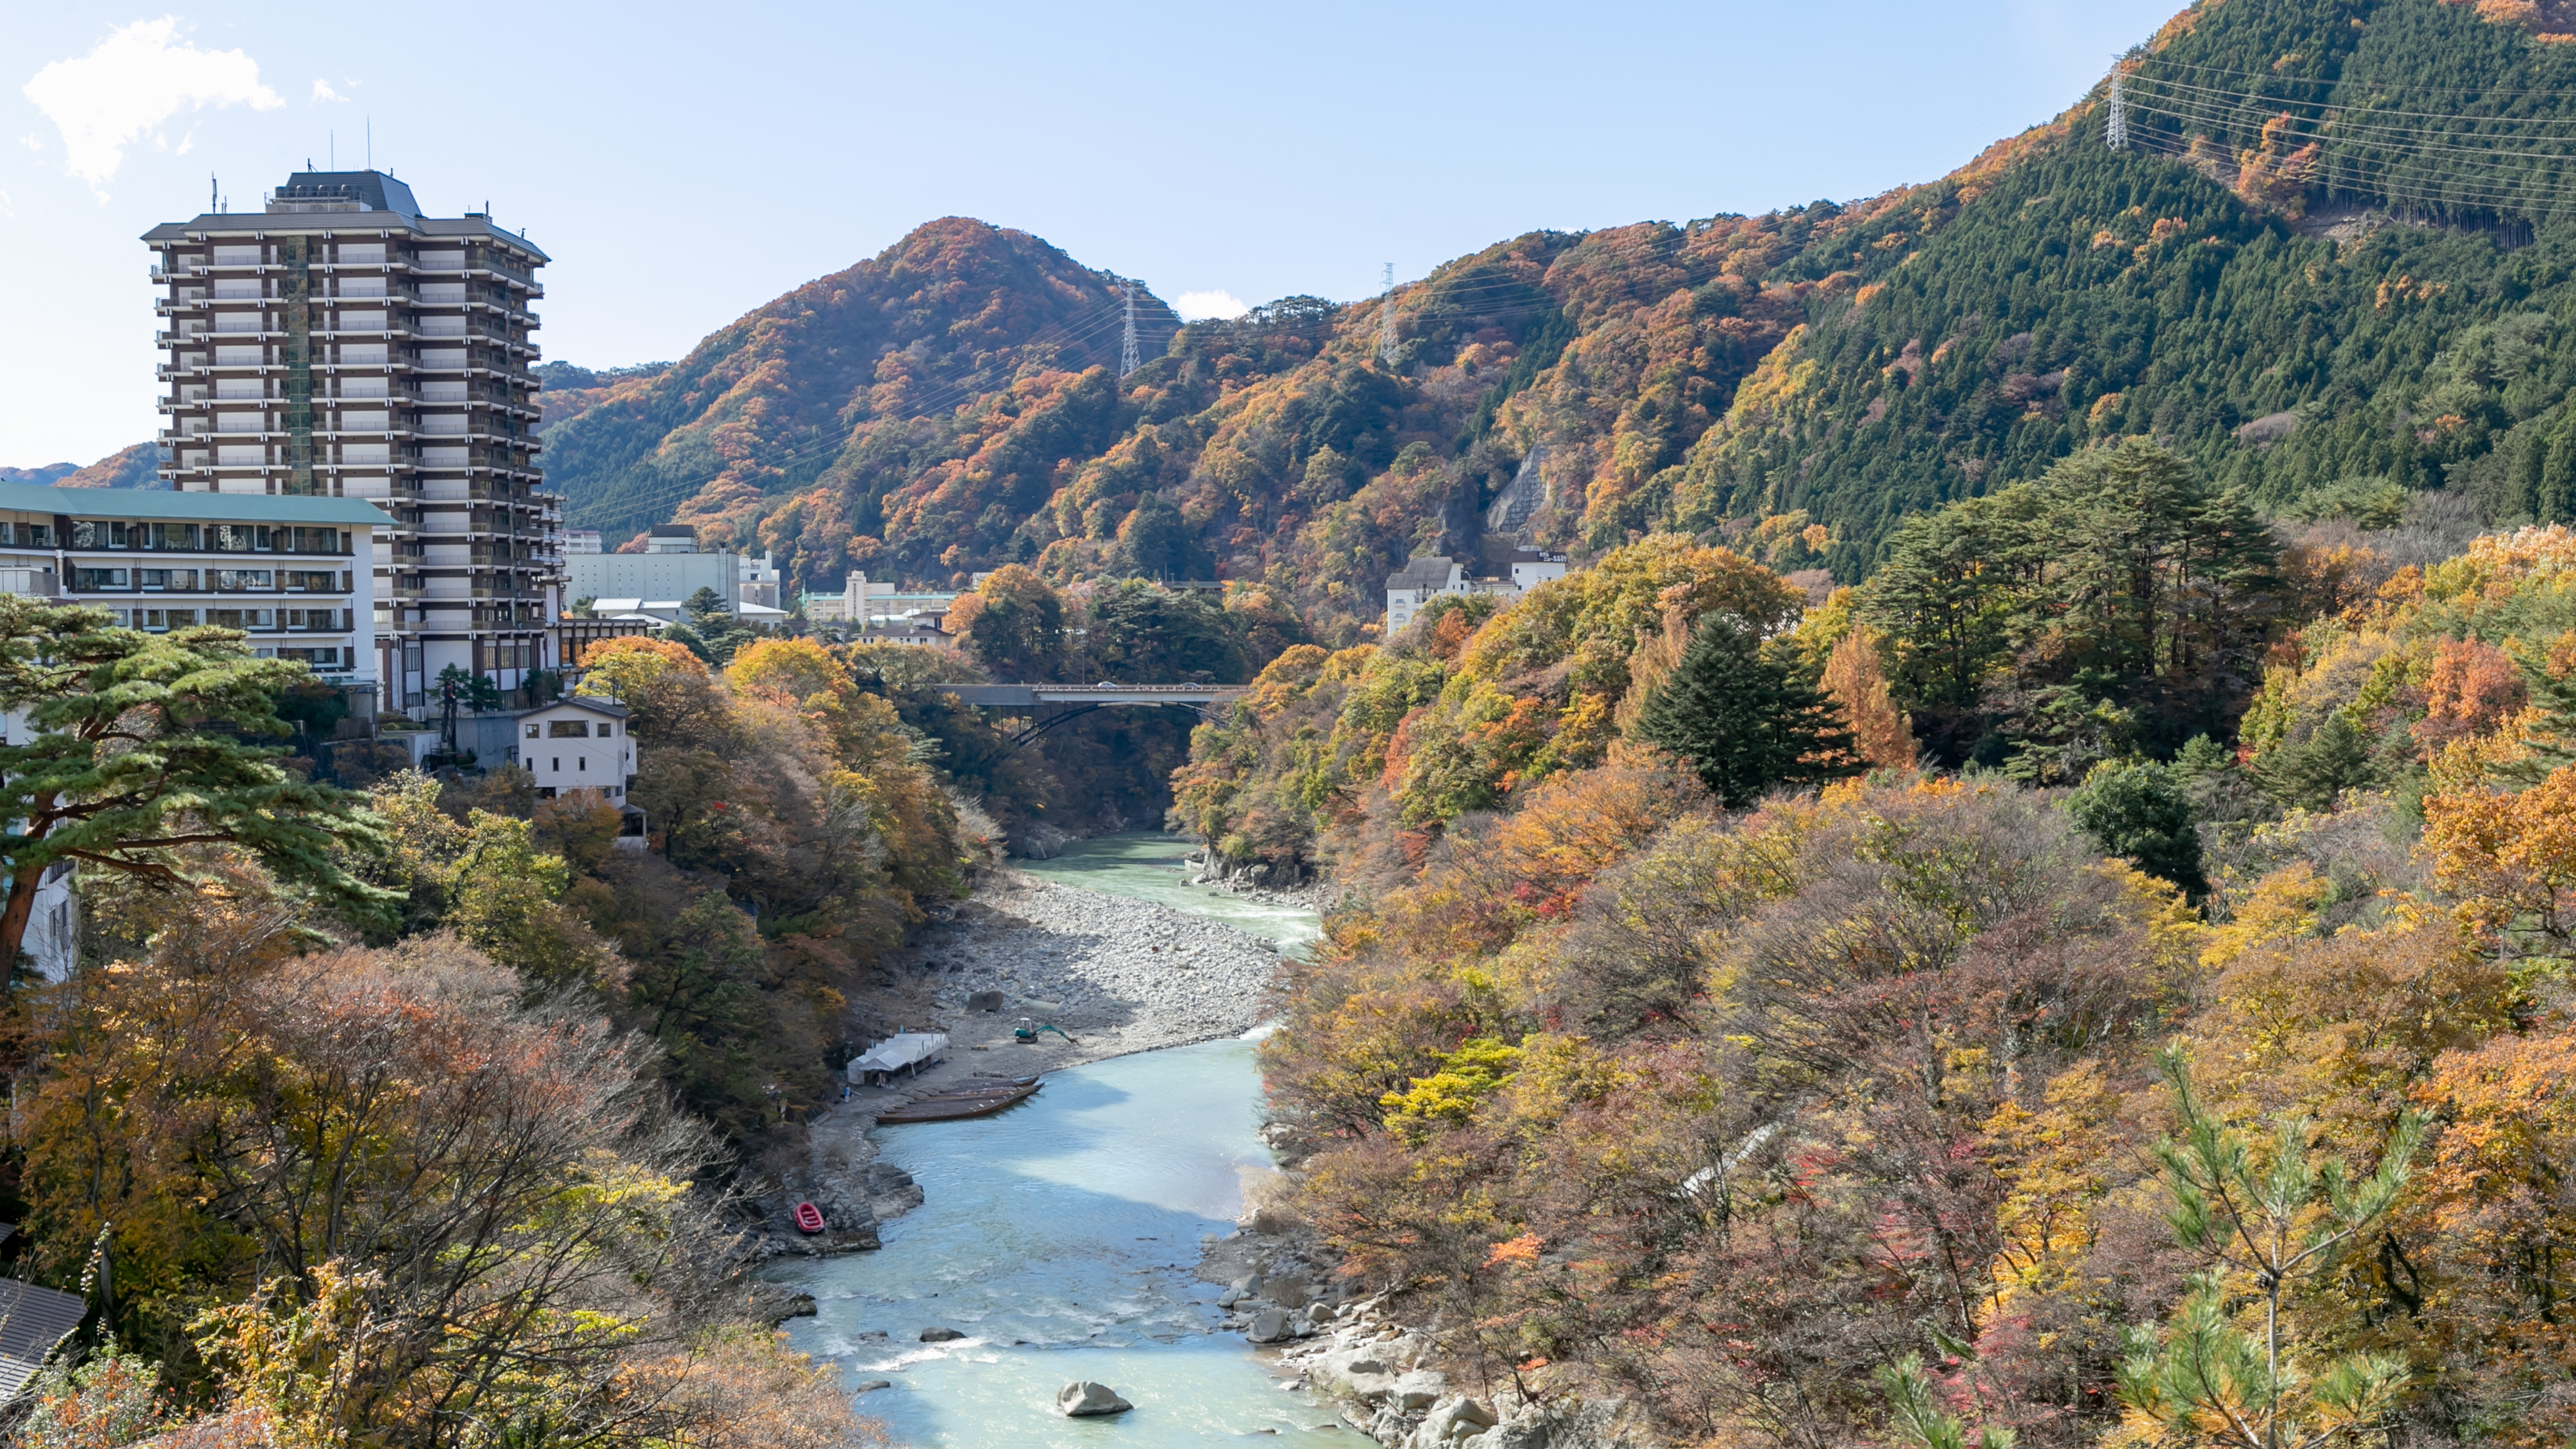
{"points": [[339, 344]]}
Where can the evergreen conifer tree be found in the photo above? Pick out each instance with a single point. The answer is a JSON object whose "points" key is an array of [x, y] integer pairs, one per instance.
{"points": [[142, 746], [1745, 719]]}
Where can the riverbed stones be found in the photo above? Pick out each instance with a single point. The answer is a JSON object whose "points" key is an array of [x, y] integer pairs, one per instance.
{"points": [[1086, 959], [1271, 1325], [940, 1335], [1086, 1400]]}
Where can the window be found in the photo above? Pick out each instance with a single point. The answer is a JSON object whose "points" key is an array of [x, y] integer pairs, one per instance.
{"points": [[236, 538], [236, 580], [311, 540], [176, 536], [318, 658], [567, 729], [581, 762], [157, 619], [310, 580], [87, 534], [555, 764], [242, 618], [532, 732], [605, 730], [87, 580], [36, 535]]}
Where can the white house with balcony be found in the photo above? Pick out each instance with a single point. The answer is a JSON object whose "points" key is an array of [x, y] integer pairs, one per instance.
{"points": [[580, 743]]}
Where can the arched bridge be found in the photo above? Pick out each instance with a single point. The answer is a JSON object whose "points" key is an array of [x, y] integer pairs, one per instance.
{"points": [[1077, 700]]}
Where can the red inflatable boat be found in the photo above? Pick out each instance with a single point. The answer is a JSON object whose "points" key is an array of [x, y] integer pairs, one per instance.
{"points": [[809, 1218]]}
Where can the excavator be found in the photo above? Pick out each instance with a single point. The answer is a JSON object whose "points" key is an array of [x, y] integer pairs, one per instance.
{"points": [[1028, 1031]]}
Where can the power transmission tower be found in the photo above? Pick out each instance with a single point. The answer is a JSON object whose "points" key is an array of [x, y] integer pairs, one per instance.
{"points": [[1386, 321], [2118, 134], [1127, 359]]}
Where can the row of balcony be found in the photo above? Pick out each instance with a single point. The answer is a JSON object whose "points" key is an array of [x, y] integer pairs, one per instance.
{"points": [[430, 437], [185, 371], [519, 278], [177, 306], [482, 399], [460, 332]]}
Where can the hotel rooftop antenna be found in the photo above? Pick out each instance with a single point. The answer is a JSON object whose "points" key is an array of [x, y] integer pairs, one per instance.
{"points": [[1386, 321], [1127, 360]]}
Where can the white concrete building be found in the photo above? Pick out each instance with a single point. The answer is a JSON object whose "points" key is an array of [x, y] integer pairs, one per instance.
{"points": [[1532, 567], [340, 344], [1423, 579], [580, 540], [672, 568], [918, 633], [579, 743], [292, 570]]}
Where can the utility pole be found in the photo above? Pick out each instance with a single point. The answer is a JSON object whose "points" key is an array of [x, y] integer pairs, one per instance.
{"points": [[1386, 320], [2117, 136], [1127, 359]]}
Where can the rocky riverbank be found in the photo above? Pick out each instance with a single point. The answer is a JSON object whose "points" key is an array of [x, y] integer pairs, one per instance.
{"points": [[1117, 975]]}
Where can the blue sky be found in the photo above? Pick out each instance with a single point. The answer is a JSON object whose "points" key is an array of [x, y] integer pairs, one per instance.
{"points": [[685, 163]]}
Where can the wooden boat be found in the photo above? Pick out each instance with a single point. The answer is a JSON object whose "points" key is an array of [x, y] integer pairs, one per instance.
{"points": [[809, 1218], [963, 1102]]}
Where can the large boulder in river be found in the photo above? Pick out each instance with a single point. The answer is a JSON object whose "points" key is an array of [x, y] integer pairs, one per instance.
{"points": [[940, 1335], [1271, 1325], [1087, 1400]]}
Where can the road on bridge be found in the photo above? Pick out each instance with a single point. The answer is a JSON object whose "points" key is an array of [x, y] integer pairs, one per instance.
{"points": [[1029, 696]]}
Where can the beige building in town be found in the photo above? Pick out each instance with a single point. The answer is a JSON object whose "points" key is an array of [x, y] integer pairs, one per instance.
{"points": [[339, 343]]}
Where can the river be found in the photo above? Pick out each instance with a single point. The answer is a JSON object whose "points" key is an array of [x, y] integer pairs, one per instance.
{"points": [[1059, 1238]]}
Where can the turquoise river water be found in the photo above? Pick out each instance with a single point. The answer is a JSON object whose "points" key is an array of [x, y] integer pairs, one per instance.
{"points": [[1059, 1238]]}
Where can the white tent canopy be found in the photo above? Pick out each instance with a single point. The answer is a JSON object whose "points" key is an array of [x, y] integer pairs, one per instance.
{"points": [[908, 1049]]}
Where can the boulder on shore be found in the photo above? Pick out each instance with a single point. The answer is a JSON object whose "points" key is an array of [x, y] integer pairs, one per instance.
{"points": [[1086, 1399], [984, 1001], [1271, 1325]]}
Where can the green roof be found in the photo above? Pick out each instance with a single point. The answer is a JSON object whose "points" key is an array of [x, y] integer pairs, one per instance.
{"points": [[155, 503]]}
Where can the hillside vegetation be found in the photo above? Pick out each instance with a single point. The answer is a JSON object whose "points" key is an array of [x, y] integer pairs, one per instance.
{"points": [[2329, 265]]}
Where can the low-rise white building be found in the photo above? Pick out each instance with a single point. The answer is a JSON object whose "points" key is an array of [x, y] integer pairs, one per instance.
{"points": [[1411, 588], [580, 743], [918, 633]]}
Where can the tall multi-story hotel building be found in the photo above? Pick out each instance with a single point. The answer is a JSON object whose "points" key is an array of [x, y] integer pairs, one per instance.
{"points": [[340, 344]]}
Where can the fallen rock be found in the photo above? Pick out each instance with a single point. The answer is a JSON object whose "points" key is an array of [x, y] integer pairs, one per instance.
{"points": [[984, 1001], [872, 1385], [940, 1335], [1420, 1390], [1271, 1325], [1086, 1399], [1453, 1418]]}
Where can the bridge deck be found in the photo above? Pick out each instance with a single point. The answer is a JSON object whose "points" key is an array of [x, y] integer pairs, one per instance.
{"points": [[1030, 696]]}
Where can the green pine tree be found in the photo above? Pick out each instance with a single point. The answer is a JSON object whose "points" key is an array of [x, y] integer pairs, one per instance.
{"points": [[1744, 718], [2139, 809], [143, 746]]}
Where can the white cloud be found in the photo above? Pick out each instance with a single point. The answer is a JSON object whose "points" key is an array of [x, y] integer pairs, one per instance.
{"points": [[322, 92], [131, 82], [1197, 306]]}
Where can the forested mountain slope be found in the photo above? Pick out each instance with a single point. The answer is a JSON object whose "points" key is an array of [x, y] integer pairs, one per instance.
{"points": [[2330, 260]]}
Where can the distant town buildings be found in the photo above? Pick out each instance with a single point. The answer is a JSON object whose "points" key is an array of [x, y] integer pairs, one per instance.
{"points": [[341, 344], [868, 602], [1421, 580], [660, 581], [580, 540]]}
